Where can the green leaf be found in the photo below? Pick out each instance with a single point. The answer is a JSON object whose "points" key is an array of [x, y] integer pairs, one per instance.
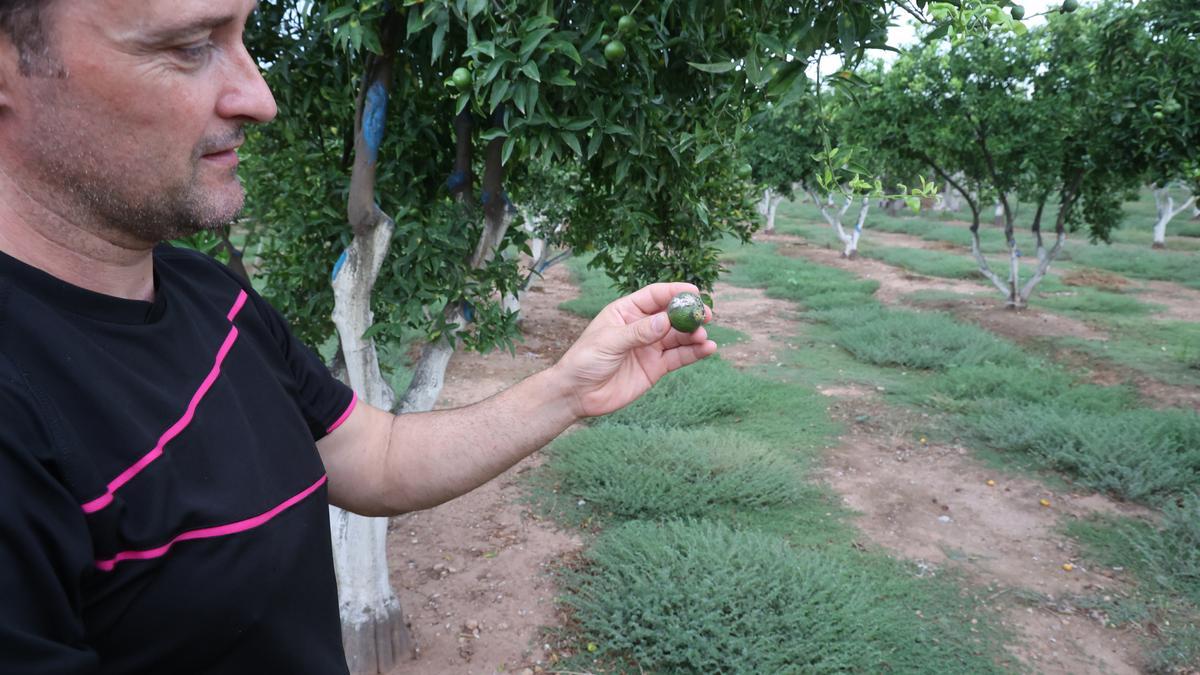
{"points": [[338, 13], [505, 152], [531, 41], [530, 69], [474, 7], [570, 139], [499, 91], [483, 47], [439, 36], [720, 67], [706, 152]]}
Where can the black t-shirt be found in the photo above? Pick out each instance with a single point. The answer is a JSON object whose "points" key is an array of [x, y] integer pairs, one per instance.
{"points": [[163, 508]]}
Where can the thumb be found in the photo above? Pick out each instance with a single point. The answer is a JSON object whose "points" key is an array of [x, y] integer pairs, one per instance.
{"points": [[644, 332]]}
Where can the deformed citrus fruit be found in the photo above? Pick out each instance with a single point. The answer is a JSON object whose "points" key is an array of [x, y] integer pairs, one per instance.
{"points": [[686, 312]]}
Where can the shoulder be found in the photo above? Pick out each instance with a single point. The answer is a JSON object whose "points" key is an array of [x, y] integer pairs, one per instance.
{"points": [[194, 262], [23, 429]]}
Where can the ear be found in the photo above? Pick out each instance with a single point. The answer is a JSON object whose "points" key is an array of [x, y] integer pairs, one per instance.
{"points": [[9, 60]]}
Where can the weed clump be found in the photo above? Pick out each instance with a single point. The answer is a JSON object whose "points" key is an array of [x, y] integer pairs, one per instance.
{"points": [[700, 597]]}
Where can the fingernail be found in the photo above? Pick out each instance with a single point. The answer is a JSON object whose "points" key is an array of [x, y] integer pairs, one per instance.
{"points": [[659, 322]]}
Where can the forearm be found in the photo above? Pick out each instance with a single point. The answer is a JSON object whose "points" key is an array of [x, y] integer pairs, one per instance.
{"points": [[424, 459]]}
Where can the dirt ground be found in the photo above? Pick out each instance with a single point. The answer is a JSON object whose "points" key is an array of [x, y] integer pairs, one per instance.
{"points": [[474, 574]]}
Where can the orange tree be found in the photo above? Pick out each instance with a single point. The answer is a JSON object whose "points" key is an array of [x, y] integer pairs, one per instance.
{"points": [[381, 194]]}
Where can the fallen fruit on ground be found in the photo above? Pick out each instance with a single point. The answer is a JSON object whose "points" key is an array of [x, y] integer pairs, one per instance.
{"points": [[686, 312]]}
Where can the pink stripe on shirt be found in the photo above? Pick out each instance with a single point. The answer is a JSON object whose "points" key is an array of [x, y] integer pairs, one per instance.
{"points": [[345, 415], [181, 424], [210, 532]]}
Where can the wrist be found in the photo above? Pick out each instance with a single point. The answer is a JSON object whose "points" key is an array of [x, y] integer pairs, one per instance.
{"points": [[559, 395]]}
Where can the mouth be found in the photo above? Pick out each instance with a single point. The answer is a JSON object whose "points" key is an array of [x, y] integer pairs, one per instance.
{"points": [[227, 157]]}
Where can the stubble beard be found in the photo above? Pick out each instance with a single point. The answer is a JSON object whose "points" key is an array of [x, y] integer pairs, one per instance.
{"points": [[118, 202], [100, 187]]}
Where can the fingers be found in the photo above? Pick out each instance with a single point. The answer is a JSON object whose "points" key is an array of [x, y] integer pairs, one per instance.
{"points": [[676, 339], [655, 297], [643, 332], [686, 355]]}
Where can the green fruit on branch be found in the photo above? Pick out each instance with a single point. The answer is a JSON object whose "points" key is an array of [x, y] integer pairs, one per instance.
{"points": [[686, 312], [1017, 11], [626, 24], [462, 79], [614, 51], [1069, 6], [615, 10], [745, 170]]}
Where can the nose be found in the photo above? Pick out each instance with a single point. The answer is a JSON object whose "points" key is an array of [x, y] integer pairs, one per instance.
{"points": [[246, 94]]}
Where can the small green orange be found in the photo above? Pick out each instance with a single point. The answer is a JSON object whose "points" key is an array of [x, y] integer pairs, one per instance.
{"points": [[462, 79], [614, 51], [686, 312]]}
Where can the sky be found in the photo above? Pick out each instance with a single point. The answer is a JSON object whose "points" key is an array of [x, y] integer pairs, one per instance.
{"points": [[904, 34]]}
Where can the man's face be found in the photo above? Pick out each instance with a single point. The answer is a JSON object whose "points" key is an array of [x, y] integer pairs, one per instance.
{"points": [[139, 137]]}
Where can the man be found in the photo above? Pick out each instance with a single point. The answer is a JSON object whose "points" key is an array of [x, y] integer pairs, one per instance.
{"points": [[167, 447]]}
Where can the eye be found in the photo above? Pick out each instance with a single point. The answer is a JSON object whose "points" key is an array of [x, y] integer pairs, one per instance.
{"points": [[195, 54]]}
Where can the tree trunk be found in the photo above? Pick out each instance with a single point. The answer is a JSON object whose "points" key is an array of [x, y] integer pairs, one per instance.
{"points": [[373, 630], [1165, 206], [949, 199], [834, 216], [998, 215], [773, 200], [1067, 198], [429, 376]]}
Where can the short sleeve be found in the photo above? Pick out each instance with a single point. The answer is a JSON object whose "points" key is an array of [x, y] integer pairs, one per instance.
{"points": [[45, 550], [325, 401]]}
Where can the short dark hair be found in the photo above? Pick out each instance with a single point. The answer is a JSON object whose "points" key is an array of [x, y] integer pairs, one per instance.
{"points": [[23, 23]]}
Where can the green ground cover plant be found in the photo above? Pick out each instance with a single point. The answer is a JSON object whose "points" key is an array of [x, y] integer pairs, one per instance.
{"points": [[1165, 350], [1165, 559], [924, 340], [651, 592], [715, 550], [596, 290], [1140, 454]]}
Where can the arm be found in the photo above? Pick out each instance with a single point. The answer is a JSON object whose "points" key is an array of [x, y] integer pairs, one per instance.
{"points": [[45, 550], [384, 464]]}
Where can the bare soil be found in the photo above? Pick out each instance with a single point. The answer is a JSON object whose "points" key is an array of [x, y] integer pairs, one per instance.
{"points": [[474, 575], [932, 503]]}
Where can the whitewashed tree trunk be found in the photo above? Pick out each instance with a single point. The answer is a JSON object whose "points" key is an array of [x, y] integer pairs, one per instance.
{"points": [[373, 630], [1165, 206], [773, 199], [430, 371], [764, 204], [834, 215], [998, 215], [949, 199], [540, 258]]}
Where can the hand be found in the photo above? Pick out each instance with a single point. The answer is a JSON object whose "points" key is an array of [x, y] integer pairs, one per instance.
{"points": [[628, 347]]}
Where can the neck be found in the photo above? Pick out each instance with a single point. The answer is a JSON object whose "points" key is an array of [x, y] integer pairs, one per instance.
{"points": [[94, 258]]}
